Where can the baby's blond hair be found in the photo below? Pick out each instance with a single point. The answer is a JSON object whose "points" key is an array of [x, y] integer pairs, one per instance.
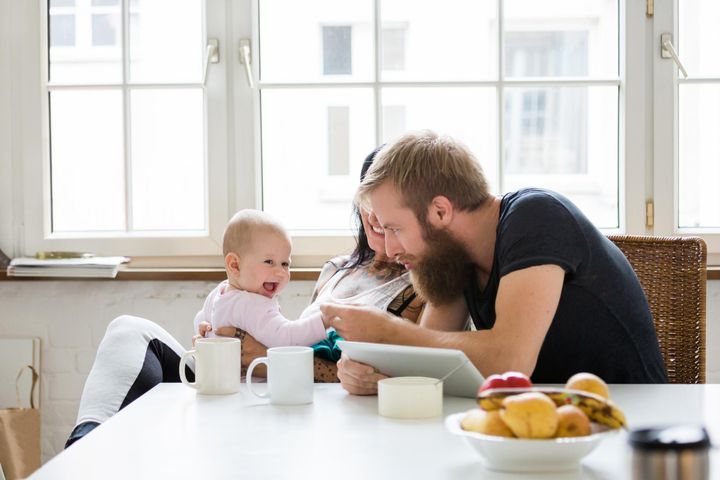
{"points": [[239, 230]]}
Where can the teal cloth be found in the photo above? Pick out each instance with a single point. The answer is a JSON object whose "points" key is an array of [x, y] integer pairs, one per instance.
{"points": [[327, 349]]}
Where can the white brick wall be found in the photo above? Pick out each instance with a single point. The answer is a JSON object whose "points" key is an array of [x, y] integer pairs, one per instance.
{"points": [[71, 317]]}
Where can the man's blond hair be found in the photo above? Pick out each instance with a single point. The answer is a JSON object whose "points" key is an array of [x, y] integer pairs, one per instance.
{"points": [[239, 230], [422, 165]]}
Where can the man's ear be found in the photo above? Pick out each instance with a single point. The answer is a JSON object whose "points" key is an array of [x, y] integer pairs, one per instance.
{"points": [[440, 211], [232, 263]]}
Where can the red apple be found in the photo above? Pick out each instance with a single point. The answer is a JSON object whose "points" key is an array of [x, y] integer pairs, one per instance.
{"points": [[506, 380], [516, 380]]}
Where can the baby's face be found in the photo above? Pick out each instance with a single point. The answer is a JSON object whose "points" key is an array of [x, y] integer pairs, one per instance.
{"points": [[265, 266]]}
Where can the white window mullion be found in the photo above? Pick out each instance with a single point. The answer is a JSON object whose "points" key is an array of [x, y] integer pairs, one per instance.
{"points": [[665, 126], [377, 90], [635, 130], [127, 130], [500, 92]]}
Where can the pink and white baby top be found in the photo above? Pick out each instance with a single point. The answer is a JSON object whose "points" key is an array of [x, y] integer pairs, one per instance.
{"points": [[259, 316]]}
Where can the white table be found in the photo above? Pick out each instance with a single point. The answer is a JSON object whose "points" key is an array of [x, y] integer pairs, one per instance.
{"points": [[173, 433]]}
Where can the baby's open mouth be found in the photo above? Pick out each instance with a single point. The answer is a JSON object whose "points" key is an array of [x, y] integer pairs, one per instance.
{"points": [[270, 287]]}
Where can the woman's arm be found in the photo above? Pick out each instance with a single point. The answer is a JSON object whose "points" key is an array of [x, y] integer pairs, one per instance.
{"points": [[325, 371]]}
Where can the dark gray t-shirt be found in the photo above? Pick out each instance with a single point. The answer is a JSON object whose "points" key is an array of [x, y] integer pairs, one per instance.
{"points": [[603, 323]]}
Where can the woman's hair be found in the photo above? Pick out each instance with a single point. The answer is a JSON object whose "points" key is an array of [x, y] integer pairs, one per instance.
{"points": [[362, 254], [421, 165]]}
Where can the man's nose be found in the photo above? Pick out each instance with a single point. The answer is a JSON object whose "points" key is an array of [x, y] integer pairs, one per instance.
{"points": [[392, 246]]}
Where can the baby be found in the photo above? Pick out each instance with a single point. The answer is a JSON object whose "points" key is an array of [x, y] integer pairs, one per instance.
{"points": [[257, 262]]}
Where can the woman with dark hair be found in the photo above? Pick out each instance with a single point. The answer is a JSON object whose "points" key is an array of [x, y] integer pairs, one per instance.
{"points": [[136, 354], [365, 277]]}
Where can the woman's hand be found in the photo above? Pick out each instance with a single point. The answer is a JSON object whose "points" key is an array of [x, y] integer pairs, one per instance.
{"points": [[358, 378], [203, 328], [252, 349]]}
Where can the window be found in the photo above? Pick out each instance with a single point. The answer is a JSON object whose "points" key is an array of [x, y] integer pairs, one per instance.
{"points": [[549, 76], [129, 157], [699, 116], [561, 148], [134, 161], [558, 94], [687, 122]]}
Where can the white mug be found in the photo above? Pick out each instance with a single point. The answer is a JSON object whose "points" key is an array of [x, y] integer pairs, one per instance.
{"points": [[217, 365], [289, 375]]}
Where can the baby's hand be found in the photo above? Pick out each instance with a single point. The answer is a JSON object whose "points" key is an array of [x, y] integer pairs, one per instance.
{"points": [[204, 328]]}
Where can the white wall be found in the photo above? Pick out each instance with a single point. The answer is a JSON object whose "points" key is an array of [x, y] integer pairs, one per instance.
{"points": [[70, 317]]}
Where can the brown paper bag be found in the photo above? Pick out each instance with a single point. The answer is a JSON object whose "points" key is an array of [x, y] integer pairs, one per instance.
{"points": [[20, 435]]}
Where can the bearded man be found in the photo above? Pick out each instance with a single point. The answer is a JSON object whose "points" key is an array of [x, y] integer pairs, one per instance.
{"points": [[548, 293]]}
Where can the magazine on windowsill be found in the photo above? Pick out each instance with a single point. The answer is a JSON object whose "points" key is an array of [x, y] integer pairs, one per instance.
{"points": [[93, 267]]}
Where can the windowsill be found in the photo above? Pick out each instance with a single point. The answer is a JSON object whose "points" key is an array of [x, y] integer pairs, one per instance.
{"points": [[212, 274], [169, 274]]}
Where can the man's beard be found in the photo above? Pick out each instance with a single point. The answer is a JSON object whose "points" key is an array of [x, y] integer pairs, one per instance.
{"points": [[445, 269]]}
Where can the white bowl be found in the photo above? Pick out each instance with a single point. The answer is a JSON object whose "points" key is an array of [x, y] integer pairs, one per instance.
{"points": [[410, 397], [525, 455]]}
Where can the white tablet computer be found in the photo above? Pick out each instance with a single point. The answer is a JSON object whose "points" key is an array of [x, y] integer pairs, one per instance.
{"points": [[404, 361]]}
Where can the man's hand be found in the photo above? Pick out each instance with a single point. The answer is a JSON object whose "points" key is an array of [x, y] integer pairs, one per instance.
{"points": [[358, 378], [360, 323]]}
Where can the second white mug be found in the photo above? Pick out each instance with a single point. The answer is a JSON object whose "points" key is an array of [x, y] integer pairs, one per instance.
{"points": [[289, 375]]}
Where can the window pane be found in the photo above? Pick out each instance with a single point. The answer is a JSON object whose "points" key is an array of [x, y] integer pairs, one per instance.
{"points": [[339, 140], [163, 50], [106, 30], [84, 48], [699, 166], [565, 139], [393, 48], [543, 54], [337, 50], [561, 38], [296, 146], [168, 159], [467, 114], [88, 182], [699, 35], [62, 30], [460, 46], [318, 41]]}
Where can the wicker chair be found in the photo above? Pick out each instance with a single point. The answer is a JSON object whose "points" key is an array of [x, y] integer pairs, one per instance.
{"points": [[673, 273]]}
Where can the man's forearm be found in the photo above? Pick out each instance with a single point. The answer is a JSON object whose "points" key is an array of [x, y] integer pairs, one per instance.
{"points": [[488, 354]]}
